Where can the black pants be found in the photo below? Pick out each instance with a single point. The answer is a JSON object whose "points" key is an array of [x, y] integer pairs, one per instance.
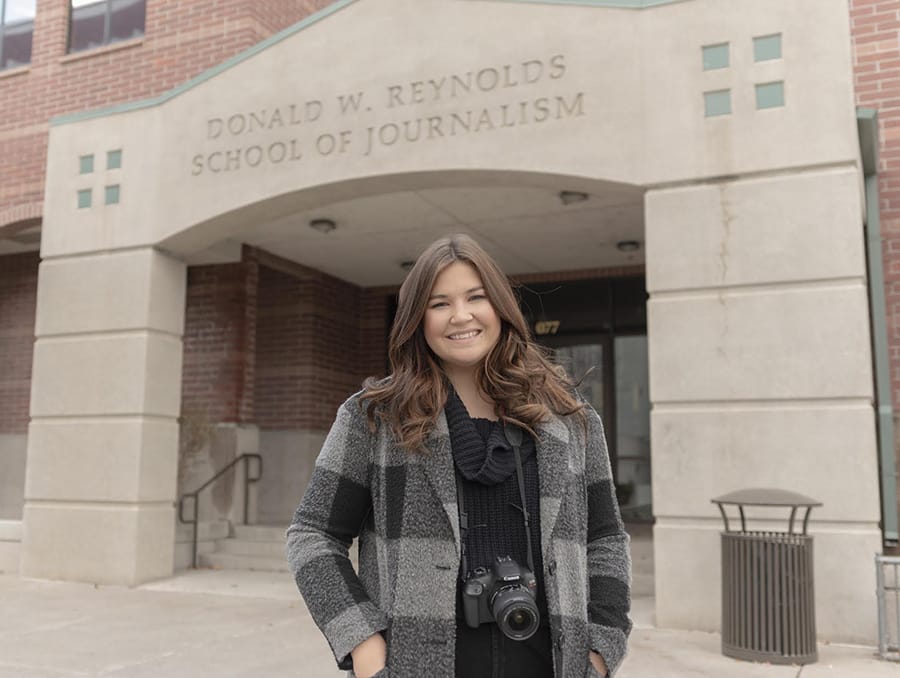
{"points": [[486, 653]]}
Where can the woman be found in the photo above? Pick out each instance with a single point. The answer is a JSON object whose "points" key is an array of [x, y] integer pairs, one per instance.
{"points": [[432, 467]]}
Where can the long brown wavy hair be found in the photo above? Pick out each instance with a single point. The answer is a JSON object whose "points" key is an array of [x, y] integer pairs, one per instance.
{"points": [[516, 374]]}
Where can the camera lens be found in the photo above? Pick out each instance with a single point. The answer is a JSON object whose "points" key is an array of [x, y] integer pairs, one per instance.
{"points": [[516, 613], [519, 620]]}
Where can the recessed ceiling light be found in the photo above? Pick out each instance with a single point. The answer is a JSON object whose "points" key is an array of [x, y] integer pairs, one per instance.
{"points": [[323, 225], [628, 245], [568, 197]]}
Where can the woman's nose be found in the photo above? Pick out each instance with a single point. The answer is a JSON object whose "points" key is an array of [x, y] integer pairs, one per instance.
{"points": [[461, 315]]}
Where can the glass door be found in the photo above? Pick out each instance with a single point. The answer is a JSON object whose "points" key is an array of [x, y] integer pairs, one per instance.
{"points": [[613, 376], [632, 469]]}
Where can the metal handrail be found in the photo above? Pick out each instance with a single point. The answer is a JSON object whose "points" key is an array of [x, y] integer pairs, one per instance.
{"points": [[195, 494]]}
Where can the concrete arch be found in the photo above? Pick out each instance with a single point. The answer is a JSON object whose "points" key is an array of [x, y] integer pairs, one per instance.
{"points": [[245, 223]]}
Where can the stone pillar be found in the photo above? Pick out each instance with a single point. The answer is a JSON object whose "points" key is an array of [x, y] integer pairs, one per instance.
{"points": [[761, 376], [103, 438]]}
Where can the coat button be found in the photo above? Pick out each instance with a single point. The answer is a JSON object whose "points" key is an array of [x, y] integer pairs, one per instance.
{"points": [[560, 640], [551, 568]]}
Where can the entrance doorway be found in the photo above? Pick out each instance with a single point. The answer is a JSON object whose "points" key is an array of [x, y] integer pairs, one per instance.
{"points": [[597, 330]]}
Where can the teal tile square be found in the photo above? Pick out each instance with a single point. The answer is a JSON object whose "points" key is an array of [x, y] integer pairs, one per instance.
{"points": [[715, 56], [85, 164], [113, 159], [770, 95], [84, 198], [767, 47], [112, 195], [717, 103]]}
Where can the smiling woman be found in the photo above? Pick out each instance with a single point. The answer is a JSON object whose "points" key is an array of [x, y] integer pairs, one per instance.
{"points": [[477, 426]]}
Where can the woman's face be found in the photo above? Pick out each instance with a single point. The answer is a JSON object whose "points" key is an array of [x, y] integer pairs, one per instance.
{"points": [[461, 326]]}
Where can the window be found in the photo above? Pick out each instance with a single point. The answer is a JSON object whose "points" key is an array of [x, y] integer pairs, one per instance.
{"points": [[16, 28], [94, 23]]}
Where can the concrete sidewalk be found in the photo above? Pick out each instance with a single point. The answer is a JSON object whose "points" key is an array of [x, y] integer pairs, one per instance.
{"points": [[227, 623]]}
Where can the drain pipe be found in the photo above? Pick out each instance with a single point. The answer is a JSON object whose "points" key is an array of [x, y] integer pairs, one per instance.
{"points": [[867, 127]]}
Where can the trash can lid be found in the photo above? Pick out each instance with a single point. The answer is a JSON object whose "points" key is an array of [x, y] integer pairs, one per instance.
{"points": [[766, 496]]}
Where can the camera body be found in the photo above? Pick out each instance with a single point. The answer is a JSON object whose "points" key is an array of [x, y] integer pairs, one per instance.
{"points": [[505, 593]]}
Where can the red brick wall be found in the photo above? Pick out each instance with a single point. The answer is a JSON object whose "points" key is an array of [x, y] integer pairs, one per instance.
{"points": [[18, 294], [182, 39], [875, 28], [308, 345], [220, 342]]}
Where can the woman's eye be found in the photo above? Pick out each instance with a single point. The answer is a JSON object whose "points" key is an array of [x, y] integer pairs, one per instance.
{"points": [[438, 304], [476, 297]]}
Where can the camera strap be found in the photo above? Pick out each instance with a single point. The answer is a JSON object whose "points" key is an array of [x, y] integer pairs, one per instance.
{"points": [[514, 437]]}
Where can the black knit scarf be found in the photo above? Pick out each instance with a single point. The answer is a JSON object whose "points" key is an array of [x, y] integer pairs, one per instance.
{"points": [[487, 462]]}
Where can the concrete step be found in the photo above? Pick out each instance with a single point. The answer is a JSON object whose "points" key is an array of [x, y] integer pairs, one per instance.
{"points": [[206, 530], [247, 547], [232, 561], [259, 533]]}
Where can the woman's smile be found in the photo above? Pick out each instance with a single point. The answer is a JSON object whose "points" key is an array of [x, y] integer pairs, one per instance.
{"points": [[463, 336]]}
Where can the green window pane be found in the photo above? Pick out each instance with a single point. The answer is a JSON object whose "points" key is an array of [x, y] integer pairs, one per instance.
{"points": [[112, 195], [715, 56], [770, 95], [113, 159], [86, 164], [767, 47], [84, 198], [717, 103]]}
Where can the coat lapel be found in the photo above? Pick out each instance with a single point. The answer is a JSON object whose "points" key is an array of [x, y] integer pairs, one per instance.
{"points": [[438, 463], [553, 468]]}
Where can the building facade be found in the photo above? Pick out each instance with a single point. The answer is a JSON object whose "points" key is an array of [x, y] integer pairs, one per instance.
{"points": [[206, 210]]}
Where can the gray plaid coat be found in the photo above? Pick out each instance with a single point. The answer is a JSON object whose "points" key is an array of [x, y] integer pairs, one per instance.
{"points": [[403, 507]]}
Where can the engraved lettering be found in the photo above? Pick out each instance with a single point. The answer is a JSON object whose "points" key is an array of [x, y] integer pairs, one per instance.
{"points": [[257, 121], [232, 160], [434, 127], [313, 110], [532, 71], [509, 80], [418, 93], [465, 85], [564, 110], [557, 66], [542, 106], [487, 79], [254, 155], [437, 85], [350, 103], [275, 121], [237, 123], [277, 152], [484, 121], [455, 120], [214, 128], [394, 92]]}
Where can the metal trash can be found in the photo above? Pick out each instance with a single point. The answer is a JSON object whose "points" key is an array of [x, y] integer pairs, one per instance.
{"points": [[768, 605]]}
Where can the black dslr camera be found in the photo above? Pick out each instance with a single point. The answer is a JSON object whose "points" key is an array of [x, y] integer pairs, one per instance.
{"points": [[505, 594]]}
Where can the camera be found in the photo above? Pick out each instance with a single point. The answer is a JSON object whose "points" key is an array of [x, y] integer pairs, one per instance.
{"points": [[505, 593]]}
